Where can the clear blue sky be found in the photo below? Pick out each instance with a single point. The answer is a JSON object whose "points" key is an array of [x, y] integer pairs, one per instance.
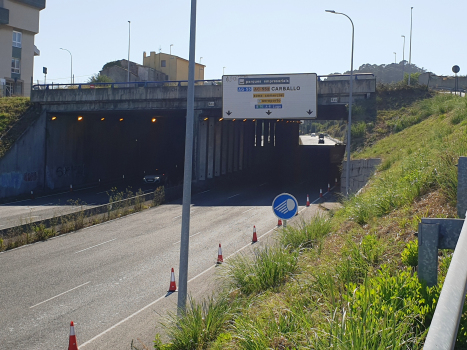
{"points": [[250, 36]]}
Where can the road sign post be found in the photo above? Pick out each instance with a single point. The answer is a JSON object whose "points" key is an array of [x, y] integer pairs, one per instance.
{"points": [[273, 96], [285, 207]]}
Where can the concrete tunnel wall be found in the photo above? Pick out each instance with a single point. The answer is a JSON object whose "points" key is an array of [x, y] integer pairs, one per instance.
{"points": [[55, 153]]}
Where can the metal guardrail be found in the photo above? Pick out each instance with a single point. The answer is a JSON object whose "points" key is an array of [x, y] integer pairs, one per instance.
{"points": [[445, 324], [133, 84]]}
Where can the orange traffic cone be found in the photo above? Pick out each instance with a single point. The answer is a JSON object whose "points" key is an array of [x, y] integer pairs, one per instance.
{"points": [[329, 187], [220, 260], [73, 344], [335, 181], [32, 194], [71, 188], [173, 286], [320, 193], [307, 201], [279, 222], [255, 239]]}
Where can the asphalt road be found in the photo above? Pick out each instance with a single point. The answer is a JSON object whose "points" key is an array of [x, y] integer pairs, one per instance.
{"points": [[31, 210], [112, 279]]}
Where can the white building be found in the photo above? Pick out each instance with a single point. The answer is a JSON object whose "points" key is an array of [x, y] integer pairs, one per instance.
{"points": [[19, 22]]}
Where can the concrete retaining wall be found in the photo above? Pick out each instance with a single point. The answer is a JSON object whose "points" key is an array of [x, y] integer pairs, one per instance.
{"points": [[22, 167], [360, 172]]}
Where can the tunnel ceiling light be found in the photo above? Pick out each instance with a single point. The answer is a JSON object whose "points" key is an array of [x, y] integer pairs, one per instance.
{"points": [[233, 120], [244, 120], [121, 119], [205, 119], [253, 120], [54, 118], [80, 118], [154, 120], [102, 119], [221, 119]]}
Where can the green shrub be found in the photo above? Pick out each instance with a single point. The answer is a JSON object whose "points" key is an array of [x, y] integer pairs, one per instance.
{"points": [[409, 255], [307, 235], [269, 268], [198, 326]]}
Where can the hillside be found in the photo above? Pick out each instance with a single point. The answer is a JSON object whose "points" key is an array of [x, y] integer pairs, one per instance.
{"points": [[347, 279], [16, 114]]}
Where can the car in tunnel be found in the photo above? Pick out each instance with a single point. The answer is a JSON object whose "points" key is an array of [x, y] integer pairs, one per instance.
{"points": [[321, 138], [156, 178]]}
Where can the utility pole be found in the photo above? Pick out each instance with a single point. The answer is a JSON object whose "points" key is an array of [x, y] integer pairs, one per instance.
{"points": [[410, 50], [129, 28]]}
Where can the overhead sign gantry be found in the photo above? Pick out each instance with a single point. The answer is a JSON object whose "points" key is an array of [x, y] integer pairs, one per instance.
{"points": [[273, 96]]}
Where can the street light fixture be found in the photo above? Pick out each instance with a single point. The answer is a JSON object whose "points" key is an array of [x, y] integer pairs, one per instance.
{"points": [[170, 59], [410, 49], [129, 28], [403, 57], [395, 58], [349, 122], [71, 56]]}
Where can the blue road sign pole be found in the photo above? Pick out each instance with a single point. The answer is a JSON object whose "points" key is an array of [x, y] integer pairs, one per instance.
{"points": [[285, 206]]}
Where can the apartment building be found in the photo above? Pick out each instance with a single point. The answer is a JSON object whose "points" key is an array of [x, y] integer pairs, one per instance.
{"points": [[176, 68], [19, 23]]}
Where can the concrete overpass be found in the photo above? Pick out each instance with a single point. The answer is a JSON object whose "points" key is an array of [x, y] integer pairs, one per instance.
{"points": [[91, 133]]}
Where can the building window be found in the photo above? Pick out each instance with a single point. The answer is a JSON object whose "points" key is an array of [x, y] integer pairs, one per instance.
{"points": [[9, 89], [17, 38], [163, 63], [15, 65]]}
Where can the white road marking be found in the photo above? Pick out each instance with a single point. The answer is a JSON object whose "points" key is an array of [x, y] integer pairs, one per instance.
{"points": [[102, 192], [163, 297], [248, 210], [190, 236], [202, 192], [95, 246], [42, 302], [235, 195]]}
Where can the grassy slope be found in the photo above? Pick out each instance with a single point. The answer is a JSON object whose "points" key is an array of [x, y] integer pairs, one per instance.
{"points": [[11, 110], [343, 283]]}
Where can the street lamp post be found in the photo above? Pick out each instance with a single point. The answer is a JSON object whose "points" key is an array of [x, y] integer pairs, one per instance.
{"points": [[395, 58], [349, 122], [129, 28], [403, 56], [71, 73], [187, 171], [170, 58], [410, 48], [223, 70]]}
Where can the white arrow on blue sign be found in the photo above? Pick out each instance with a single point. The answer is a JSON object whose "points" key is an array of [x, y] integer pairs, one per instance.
{"points": [[285, 206]]}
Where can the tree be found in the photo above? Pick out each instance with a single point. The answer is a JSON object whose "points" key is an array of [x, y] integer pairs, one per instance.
{"points": [[99, 78], [389, 73]]}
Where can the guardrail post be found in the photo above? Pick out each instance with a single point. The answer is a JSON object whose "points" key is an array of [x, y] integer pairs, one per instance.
{"points": [[462, 187], [428, 253]]}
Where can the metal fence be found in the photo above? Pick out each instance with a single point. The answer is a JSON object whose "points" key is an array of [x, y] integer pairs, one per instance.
{"points": [[445, 324], [133, 84]]}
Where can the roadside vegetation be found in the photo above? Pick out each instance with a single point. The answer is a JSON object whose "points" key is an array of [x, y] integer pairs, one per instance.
{"points": [[347, 279], [11, 111], [121, 203]]}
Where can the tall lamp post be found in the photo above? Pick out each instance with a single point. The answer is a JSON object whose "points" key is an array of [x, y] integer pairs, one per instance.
{"points": [[129, 28], [403, 56], [71, 73], [187, 171], [395, 58], [410, 48], [170, 58], [349, 122]]}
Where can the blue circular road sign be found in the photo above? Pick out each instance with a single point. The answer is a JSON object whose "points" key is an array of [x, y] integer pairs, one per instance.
{"points": [[285, 206]]}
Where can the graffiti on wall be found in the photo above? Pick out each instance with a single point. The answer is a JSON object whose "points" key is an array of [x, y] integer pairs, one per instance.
{"points": [[69, 171], [16, 179]]}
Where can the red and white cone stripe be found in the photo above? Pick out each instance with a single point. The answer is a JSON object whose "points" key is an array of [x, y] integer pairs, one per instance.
{"points": [[307, 200], [320, 193], [173, 285], [255, 238], [329, 187], [220, 260], [73, 344], [279, 222]]}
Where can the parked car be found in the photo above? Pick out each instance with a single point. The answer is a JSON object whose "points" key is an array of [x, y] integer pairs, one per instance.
{"points": [[321, 138], [156, 178]]}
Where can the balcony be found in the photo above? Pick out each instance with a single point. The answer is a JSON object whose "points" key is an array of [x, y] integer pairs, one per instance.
{"points": [[40, 4]]}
